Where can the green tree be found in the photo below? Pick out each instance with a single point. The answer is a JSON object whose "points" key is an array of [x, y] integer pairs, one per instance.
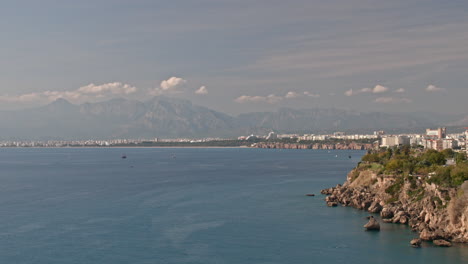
{"points": [[434, 157], [460, 157], [448, 153]]}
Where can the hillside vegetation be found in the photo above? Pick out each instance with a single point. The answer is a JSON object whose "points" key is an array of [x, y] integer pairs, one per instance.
{"points": [[411, 186], [409, 162]]}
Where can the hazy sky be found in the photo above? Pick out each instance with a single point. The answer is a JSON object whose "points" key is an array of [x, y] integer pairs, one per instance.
{"points": [[238, 55]]}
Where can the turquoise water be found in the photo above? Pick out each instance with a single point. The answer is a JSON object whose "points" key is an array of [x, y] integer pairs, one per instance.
{"points": [[203, 206]]}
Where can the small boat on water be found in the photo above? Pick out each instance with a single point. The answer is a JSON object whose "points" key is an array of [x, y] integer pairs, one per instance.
{"points": [[310, 194], [349, 156], [124, 156]]}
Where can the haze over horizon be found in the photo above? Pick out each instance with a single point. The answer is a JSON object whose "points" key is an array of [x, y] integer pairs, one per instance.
{"points": [[238, 56]]}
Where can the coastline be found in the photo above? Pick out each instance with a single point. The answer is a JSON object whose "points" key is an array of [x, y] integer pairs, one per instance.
{"points": [[122, 147], [437, 214]]}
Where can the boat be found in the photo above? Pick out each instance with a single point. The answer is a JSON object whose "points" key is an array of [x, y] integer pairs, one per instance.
{"points": [[124, 156], [310, 194]]}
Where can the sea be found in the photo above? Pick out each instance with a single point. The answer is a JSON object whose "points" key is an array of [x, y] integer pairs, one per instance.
{"points": [[190, 205]]}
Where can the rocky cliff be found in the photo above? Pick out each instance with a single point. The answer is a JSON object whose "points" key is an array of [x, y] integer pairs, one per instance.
{"points": [[433, 211], [342, 146]]}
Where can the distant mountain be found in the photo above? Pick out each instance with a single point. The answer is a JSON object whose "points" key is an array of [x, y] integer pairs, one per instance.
{"points": [[117, 118], [165, 117], [462, 122], [328, 120]]}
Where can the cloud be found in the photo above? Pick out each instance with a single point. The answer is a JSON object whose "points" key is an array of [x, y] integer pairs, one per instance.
{"points": [[400, 90], [291, 95], [306, 93], [433, 88], [350, 92], [24, 98], [377, 89], [88, 92], [172, 83], [271, 99], [365, 90], [114, 88], [392, 100], [202, 90], [386, 48]]}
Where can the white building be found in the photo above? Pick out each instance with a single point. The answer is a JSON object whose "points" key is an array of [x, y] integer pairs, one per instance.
{"points": [[390, 141]]}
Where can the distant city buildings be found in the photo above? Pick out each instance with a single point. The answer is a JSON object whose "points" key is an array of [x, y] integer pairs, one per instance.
{"points": [[435, 134], [437, 139], [391, 141]]}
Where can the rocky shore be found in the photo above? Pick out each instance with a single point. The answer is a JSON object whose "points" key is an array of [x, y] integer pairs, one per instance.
{"points": [[330, 146], [438, 214]]}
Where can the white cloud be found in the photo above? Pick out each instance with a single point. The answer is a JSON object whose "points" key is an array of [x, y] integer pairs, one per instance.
{"points": [[88, 92], [202, 90], [306, 93], [291, 95], [271, 99], [365, 90], [379, 89], [350, 92], [433, 88], [172, 83], [24, 98], [392, 100], [400, 90], [114, 88]]}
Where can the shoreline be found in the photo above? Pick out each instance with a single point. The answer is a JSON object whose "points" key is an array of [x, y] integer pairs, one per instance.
{"points": [[435, 214], [110, 147], [195, 147]]}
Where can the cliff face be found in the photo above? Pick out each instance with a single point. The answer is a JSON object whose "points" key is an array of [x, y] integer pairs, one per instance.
{"points": [[433, 211]]}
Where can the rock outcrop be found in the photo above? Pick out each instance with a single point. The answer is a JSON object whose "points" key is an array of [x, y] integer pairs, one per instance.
{"points": [[442, 243], [435, 212], [373, 224], [416, 242]]}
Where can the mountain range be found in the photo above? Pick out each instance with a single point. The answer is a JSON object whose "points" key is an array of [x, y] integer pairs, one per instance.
{"points": [[165, 117]]}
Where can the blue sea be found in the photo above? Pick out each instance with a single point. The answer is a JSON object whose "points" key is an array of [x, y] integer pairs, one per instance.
{"points": [[189, 205]]}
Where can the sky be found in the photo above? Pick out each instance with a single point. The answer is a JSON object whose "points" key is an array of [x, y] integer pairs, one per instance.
{"points": [[238, 56]]}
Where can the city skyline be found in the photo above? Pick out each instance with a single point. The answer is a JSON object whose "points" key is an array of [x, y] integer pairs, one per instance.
{"points": [[237, 56]]}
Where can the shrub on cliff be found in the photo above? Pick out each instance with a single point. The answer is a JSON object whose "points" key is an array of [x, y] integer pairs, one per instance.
{"points": [[395, 188], [450, 176], [459, 174], [371, 158]]}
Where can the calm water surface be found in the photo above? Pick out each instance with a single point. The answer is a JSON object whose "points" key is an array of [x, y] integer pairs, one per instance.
{"points": [[203, 206]]}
